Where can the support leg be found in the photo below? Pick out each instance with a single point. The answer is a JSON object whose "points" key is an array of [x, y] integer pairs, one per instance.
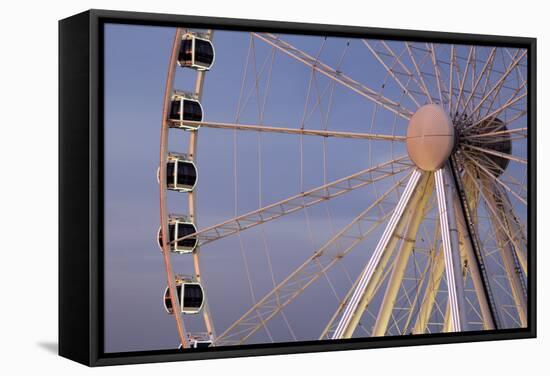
{"points": [[361, 295], [449, 235], [403, 256]]}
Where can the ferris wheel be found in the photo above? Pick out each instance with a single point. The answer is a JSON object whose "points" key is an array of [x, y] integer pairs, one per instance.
{"points": [[438, 243]]}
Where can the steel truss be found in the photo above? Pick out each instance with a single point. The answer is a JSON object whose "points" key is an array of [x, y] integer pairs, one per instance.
{"points": [[300, 201]]}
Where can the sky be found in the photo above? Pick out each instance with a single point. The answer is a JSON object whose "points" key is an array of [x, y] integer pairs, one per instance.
{"points": [[268, 169]]}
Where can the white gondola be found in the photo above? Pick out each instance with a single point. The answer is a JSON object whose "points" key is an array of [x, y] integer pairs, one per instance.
{"points": [[190, 294], [181, 173], [185, 107], [180, 226], [200, 344], [196, 51], [199, 341]]}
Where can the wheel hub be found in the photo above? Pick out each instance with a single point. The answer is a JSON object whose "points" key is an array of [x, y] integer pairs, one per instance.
{"points": [[430, 137]]}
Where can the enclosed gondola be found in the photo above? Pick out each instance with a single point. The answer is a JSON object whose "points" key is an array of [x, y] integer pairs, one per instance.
{"points": [[181, 173], [185, 107], [190, 295], [196, 51], [199, 341], [179, 226], [200, 344]]}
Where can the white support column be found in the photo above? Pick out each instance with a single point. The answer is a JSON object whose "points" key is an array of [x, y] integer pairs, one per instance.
{"points": [[405, 250], [449, 235], [352, 313]]}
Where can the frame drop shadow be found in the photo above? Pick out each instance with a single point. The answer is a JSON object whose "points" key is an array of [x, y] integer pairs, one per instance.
{"points": [[51, 347]]}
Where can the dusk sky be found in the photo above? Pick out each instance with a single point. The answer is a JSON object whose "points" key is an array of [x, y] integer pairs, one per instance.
{"points": [[136, 59]]}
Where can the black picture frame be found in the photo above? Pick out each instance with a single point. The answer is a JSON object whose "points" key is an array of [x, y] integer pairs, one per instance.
{"points": [[81, 182]]}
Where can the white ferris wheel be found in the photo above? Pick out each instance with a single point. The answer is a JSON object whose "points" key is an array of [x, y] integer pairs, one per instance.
{"points": [[438, 243]]}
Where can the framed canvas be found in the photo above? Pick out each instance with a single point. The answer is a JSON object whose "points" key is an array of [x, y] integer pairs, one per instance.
{"points": [[351, 187]]}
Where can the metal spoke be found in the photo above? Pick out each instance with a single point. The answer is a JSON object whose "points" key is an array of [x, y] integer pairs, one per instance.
{"points": [[500, 82], [391, 72], [335, 75], [462, 81], [497, 153], [418, 73], [499, 88], [502, 108], [406, 70], [488, 62], [493, 177], [295, 131], [452, 62], [496, 133], [436, 70], [504, 173]]}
